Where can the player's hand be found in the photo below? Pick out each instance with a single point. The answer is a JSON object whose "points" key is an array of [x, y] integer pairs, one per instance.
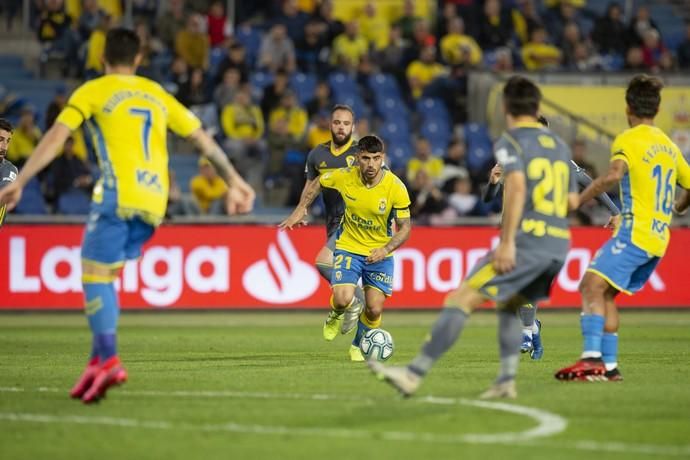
{"points": [[238, 201], [247, 197], [296, 219], [10, 195], [504, 257], [377, 255], [614, 222], [496, 174]]}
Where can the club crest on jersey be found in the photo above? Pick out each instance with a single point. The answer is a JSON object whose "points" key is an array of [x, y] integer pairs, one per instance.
{"points": [[350, 160], [338, 275], [382, 205]]}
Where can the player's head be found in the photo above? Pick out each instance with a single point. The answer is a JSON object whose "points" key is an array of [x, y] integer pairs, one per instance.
{"points": [[521, 98], [371, 156], [5, 136], [122, 48], [342, 124], [643, 97]]}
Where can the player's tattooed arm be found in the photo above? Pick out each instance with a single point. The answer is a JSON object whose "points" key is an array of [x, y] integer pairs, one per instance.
{"points": [[682, 203], [404, 226], [601, 184], [297, 218]]}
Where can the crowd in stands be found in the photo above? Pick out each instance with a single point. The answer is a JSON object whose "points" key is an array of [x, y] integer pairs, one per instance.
{"points": [[265, 80]]}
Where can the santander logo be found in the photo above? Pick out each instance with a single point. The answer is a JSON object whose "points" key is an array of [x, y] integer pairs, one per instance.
{"points": [[283, 277]]}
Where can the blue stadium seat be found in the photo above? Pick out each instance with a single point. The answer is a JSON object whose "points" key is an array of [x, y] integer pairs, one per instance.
{"points": [[399, 154], [342, 82], [11, 60], [259, 81], [32, 201], [429, 107], [250, 38], [185, 167], [479, 159], [390, 107], [215, 58], [304, 85], [74, 202], [383, 84], [394, 131]]}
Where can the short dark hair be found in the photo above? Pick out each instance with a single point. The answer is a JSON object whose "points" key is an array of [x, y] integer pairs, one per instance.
{"points": [[5, 125], [344, 107], [521, 96], [370, 144], [121, 46], [643, 96]]}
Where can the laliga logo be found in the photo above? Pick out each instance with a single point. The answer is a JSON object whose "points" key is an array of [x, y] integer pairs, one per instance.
{"points": [[283, 278]]}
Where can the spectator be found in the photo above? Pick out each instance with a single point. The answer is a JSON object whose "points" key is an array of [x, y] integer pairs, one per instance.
{"points": [[461, 199], [90, 18], [349, 48], [311, 50], [503, 60], [609, 34], [423, 71], [407, 20], [426, 197], [653, 51], [217, 24], [458, 48], [448, 12], [293, 19], [208, 189], [570, 40], [191, 43], [424, 160], [537, 54], [55, 107], [179, 73], [93, 67], [320, 131], [562, 15], [225, 92], [24, 138], [525, 19], [683, 50], [178, 203], [456, 155], [374, 27], [390, 58], [171, 22], [69, 173], [144, 11], [236, 58], [421, 38], [273, 93], [150, 47], [634, 60], [289, 111], [495, 26], [580, 157], [243, 126], [277, 50], [54, 23], [329, 27], [194, 91], [321, 100], [639, 25]]}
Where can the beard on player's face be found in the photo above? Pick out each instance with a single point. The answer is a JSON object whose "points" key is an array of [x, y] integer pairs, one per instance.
{"points": [[340, 138], [3, 154]]}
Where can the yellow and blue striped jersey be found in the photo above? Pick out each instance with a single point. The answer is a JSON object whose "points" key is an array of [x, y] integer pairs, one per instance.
{"points": [[128, 117], [655, 165], [369, 212]]}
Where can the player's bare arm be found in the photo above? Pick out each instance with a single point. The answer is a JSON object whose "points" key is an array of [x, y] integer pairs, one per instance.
{"points": [[241, 196], [404, 228], [515, 192], [680, 206], [496, 174], [309, 194], [46, 151], [617, 170]]}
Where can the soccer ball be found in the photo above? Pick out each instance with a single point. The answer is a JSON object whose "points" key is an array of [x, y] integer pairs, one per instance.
{"points": [[377, 344]]}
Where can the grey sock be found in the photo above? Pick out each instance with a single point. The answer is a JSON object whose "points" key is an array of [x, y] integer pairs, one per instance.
{"points": [[527, 314], [359, 295], [509, 338], [326, 271], [443, 335]]}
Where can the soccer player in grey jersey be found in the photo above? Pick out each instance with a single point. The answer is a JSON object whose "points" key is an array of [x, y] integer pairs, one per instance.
{"points": [[340, 152], [8, 171], [540, 189], [531, 327]]}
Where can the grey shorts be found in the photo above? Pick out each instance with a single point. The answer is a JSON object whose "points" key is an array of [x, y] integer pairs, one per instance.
{"points": [[531, 278]]}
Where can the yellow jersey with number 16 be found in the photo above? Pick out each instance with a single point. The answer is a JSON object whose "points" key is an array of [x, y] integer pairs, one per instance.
{"points": [[655, 165], [128, 117]]}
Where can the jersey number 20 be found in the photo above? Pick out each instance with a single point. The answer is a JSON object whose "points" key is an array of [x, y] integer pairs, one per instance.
{"points": [[553, 180]]}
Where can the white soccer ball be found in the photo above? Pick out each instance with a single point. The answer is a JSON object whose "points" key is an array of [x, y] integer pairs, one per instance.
{"points": [[377, 344]]}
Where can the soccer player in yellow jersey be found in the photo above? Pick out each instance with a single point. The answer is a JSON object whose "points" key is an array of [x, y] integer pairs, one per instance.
{"points": [[647, 164], [128, 117], [374, 197]]}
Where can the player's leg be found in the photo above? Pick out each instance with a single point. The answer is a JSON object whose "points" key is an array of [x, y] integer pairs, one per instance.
{"points": [[528, 313], [324, 265], [345, 276], [609, 340], [370, 318]]}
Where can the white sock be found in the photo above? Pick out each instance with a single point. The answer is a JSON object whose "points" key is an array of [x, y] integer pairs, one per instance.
{"points": [[535, 328], [527, 332], [591, 354], [611, 366]]}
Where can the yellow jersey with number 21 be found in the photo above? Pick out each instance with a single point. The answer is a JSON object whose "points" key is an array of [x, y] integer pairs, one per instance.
{"points": [[128, 117]]}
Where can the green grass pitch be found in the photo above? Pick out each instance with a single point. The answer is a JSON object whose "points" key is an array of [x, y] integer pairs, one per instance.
{"points": [[267, 386]]}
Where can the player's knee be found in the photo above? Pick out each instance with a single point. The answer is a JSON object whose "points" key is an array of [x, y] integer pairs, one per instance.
{"points": [[462, 299], [342, 299], [590, 288], [373, 312]]}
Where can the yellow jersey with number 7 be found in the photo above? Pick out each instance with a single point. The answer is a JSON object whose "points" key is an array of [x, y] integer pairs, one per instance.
{"points": [[647, 189], [128, 117]]}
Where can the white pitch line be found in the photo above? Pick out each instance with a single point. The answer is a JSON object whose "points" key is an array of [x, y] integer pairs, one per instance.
{"points": [[548, 424]]}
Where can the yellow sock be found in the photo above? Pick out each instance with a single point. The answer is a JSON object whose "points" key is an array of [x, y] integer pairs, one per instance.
{"points": [[375, 324], [338, 310]]}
